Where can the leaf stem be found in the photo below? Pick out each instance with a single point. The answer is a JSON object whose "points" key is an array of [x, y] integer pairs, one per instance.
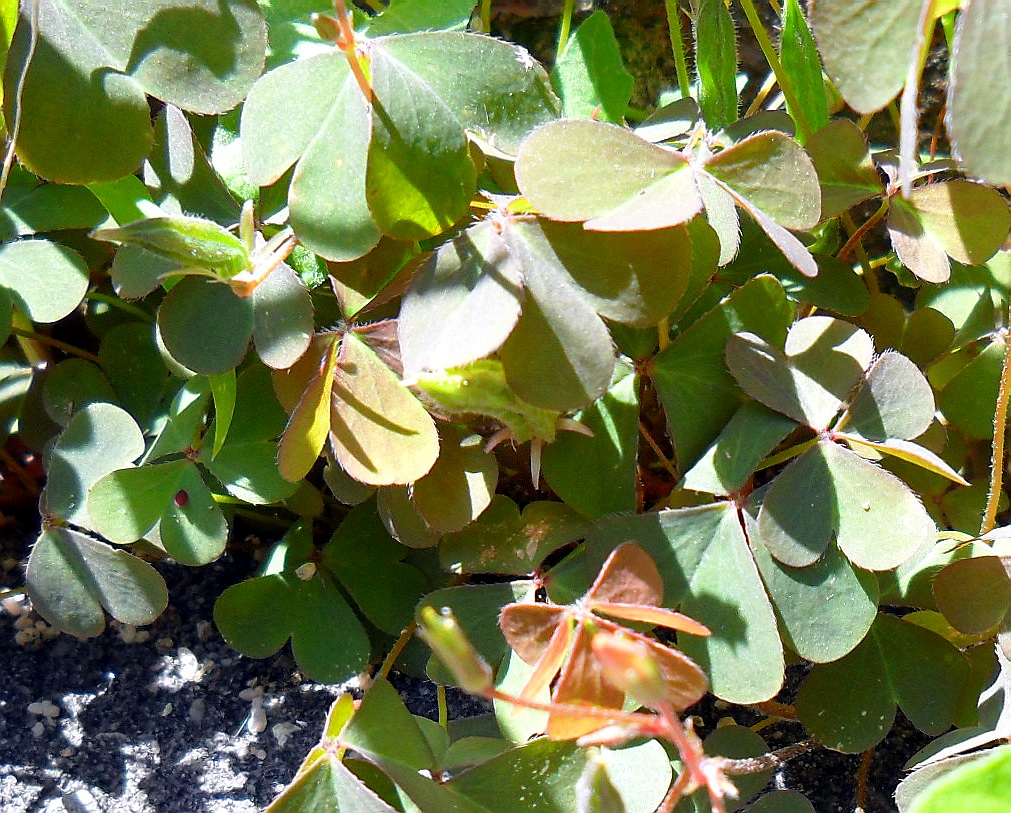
{"points": [[18, 95], [565, 27], [677, 46], [123, 305], [999, 430], [51, 342], [486, 16], [865, 265], [858, 234], [786, 454], [908, 127], [668, 466], [397, 648], [443, 708], [777, 67]]}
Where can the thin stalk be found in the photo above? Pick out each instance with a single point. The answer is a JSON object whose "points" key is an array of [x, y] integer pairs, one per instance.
{"points": [[15, 468], [18, 94], [486, 16], [762, 95], [398, 647], [116, 302], [862, 258], [677, 46], [999, 430], [443, 707], [777, 67], [858, 234], [786, 454], [565, 27], [668, 466], [737, 767], [862, 773], [51, 342], [662, 334], [347, 45], [908, 128]]}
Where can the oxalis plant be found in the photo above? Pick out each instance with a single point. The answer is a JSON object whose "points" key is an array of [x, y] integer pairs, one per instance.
{"points": [[617, 406]]}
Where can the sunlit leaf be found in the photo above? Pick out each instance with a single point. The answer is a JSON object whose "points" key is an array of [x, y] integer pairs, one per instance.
{"points": [[799, 57], [974, 593], [716, 62], [868, 76], [45, 280], [976, 108], [589, 74], [199, 55], [379, 431], [822, 360], [463, 303], [309, 425], [558, 173], [845, 169]]}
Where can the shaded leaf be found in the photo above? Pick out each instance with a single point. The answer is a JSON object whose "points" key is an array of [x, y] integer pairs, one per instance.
{"points": [[503, 541], [309, 426], [708, 573], [97, 440], [72, 579], [974, 594], [205, 326], [845, 170], [463, 302], [750, 435], [368, 563], [849, 705], [611, 453], [831, 491], [697, 392], [460, 485], [282, 318], [826, 609], [259, 615]]}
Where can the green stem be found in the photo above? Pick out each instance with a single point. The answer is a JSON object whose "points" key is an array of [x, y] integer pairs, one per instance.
{"points": [[787, 454], [486, 16], [566, 27], [51, 342], [440, 697], [862, 258], [15, 129], [398, 647], [777, 67], [116, 302], [674, 27], [999, 430]]}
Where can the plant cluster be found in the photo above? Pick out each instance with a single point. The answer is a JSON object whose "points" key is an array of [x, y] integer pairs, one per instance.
{"points": [[526, 369]]}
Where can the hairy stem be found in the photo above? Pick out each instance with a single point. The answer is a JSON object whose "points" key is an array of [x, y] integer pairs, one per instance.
{"points": [[677, 46], [999, 430], [566, 26], [41, 338], [777, 67]]}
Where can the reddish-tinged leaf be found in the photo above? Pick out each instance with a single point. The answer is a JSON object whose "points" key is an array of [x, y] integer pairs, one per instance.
{"points": [[629, 576], [529, 628], [582, 683], [658, 616], [307, 429], [550, 662]]}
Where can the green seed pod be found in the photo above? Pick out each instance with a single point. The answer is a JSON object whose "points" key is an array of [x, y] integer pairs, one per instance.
{"points": [[443, 634]]}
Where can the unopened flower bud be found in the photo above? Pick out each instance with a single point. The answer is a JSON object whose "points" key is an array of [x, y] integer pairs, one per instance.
{"points": [[629, 665], [443, 634]]}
